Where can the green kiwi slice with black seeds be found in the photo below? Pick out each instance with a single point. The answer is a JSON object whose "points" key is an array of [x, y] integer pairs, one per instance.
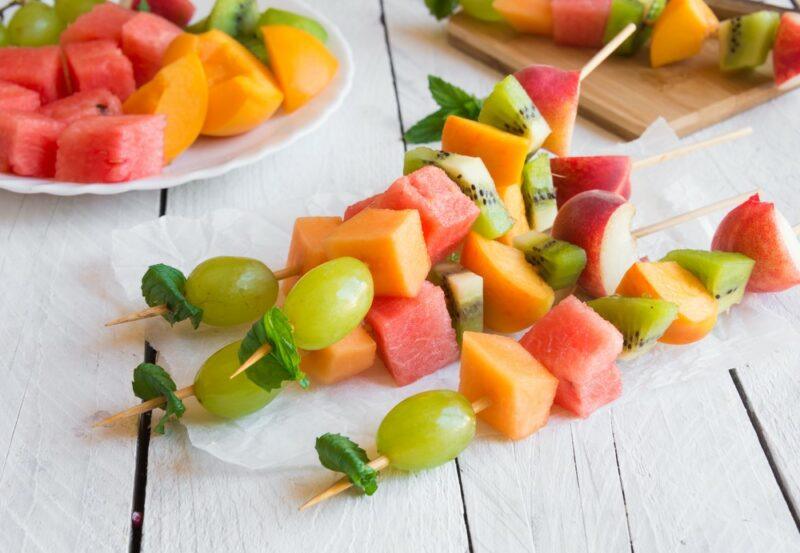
{"points": [[463, 291], [510, 109], [559, 263], [538, 192], [641, 321]]}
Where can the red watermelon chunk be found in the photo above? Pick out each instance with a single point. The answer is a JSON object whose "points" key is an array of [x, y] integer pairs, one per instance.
{"points": [[179, 12], [28, 143], [39, 69], [414, 335], [579, 347], [573, 175], [104, 22], [580, 22], [145, 38], [18, 98], [99, 64], [786, 53], [111, 148], [359, 206], [99, 101]]}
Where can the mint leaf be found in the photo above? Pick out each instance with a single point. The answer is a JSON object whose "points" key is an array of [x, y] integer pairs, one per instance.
{"points": [[451, 97], [441, 8], [151, 381], [280, 364], [427, 129], [143, 6], [341, 454], [165, 285], [453, 101]]}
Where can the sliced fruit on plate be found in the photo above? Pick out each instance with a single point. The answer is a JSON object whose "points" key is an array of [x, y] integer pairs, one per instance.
{"points": [[573, 175], [463, 291], [582, 356], [502, 153], [103, 22], [39, 69], [623, 13], [761, 232], [511, 196], [745, 41], [724, 274], [520, 388], [28, 143], [346, 358], [14, 97], [580, 22], [538, 192], [133, 148], [786, 55], [180, 92], [415, 336], [179, 12], [235, 18], [666, 280], [515, 296], [559, 263], [527, 16], [274, 16], [681, 30], [145, 38], [641, 321], [99, 101], [510, 109], [301, 62], [99, 64], [306, 250]]}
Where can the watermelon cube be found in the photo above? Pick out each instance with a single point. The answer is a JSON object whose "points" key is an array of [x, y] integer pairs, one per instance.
{"points": [[786, 54], [14, 97], [521, 389], [99, 101], [179, 12], [28, 143], [103, 22], [145, 38], [359, 206], [579, 347], [580, 22], [39, 69], [573, 175], [414, 335], [111, 148], [446, 213], [99, 64]]}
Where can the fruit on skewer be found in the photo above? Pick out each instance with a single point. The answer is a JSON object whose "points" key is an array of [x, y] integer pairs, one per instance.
{"points": [[463, 292], [346, 358], [306, 249], [510, 109], [527, 16], [621, 13], [538, 192], [786, 54], [559, 263], [758, 230], [580, 22], [680, 31], [641, 321], [18, 98], [512, 198], [745, 41]]}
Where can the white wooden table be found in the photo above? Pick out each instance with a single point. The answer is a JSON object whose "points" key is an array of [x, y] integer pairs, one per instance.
{"points": [[712, 465]]}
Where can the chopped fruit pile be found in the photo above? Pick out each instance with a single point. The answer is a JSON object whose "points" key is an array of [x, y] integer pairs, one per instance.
{"points": [[145, 73]]}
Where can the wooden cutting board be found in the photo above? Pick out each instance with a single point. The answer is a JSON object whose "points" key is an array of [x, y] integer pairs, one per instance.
{"points": [[625, 95]]}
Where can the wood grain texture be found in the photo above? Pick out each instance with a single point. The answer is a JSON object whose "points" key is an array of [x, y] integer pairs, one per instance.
{"points": [[625, 95]]}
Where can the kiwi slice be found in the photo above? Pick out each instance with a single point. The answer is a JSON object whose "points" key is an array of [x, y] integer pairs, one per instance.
{"points": [[510, 109], [745, 41], [463, 291], [559, 263], [471, 175], [642, 321], [274, 16], [256, 46], [724, 274], [652, 10], [538, 192], [237, 18], [622, 13]]}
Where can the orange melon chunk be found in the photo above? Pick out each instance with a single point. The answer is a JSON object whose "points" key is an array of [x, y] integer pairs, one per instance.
{"points": [[527, 16], [346, 358], [520, 388], [511, 196], [514, 295], [503, 153], [306, 250], [666, 280], [392, 245], [180, 92], [303, 65], [681, 30]]}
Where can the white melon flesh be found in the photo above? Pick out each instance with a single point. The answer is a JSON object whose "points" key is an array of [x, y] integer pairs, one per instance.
{"points": [[618, 249]]}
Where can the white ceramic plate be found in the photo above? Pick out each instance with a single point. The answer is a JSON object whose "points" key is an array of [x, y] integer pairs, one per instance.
{"points": [[210, 157]]}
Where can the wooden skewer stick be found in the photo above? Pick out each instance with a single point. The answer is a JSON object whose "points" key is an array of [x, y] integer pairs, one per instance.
{"points": [[607, 50], [159, 310], [379, 463], [679, 152], [688, 216], [257, 356], [145, 406]]}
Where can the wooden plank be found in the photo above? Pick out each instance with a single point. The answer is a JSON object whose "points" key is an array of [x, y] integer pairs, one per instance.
{"points": [[625, 95], [64, 486], [196, 502]]}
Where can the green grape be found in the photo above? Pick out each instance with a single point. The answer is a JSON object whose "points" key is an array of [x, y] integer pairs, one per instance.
{"points": [[328, 302], [426, 430], [480, 9], [227, 397], [4, 39], [231, 290], [35, 24], [70, 10]]}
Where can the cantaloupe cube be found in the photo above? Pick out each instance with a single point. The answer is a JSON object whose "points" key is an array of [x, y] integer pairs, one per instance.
{"points": [[520, 388], [346, 358], [527, 16], [503, 153], [514, 295], [511, 196], [307, 249], [392, 245]]}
